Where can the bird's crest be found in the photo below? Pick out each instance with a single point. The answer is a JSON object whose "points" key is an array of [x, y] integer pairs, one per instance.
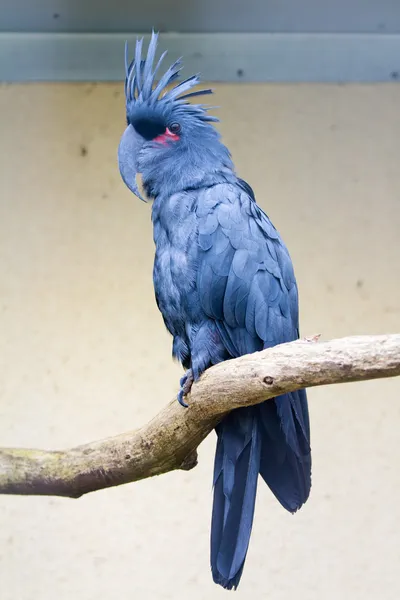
{"points": [[141, 87]]}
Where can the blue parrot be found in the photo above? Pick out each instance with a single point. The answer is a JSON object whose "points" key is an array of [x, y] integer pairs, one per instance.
{"points": [[225, 286]]}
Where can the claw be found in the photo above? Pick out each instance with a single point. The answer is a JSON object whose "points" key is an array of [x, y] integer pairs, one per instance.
{"points": [[186, 385], [180, 399]]}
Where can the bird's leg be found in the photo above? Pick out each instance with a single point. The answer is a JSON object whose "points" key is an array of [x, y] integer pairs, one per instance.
{"points": [[186, 383]]}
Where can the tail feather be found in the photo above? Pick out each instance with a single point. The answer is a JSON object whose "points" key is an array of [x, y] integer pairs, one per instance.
{"points": [[237, 465], [285, 462], [272, 439]]}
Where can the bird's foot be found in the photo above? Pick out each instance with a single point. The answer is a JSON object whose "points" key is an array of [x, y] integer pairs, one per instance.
{"points": [[186, 383]]}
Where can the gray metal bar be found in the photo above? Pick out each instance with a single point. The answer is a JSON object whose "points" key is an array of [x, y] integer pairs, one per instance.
{"points": [[255, 57]]}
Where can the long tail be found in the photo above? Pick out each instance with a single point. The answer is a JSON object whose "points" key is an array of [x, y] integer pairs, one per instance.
{"points": [[271, 439], [237, 464]]}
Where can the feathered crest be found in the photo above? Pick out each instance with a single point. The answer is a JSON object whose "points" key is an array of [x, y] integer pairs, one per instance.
{"points": [[140, 86]]}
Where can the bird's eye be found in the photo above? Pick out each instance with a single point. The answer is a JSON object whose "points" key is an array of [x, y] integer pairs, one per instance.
{"points": [[174, 128]]}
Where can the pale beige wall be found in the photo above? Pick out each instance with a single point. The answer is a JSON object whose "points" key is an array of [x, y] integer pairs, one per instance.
{"points": [[84, 354]]}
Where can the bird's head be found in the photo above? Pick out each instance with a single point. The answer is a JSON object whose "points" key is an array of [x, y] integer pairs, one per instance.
{"points": [[170, 141]]}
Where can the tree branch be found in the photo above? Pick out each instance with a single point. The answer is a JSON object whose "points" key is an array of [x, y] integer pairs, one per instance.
{"points": [[169, 441]]}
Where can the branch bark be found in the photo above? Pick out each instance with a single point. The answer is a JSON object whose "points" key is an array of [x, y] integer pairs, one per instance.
{"points": [[169, 441]]}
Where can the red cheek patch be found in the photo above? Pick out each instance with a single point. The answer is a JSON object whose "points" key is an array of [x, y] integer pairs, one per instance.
{"points": [[166, 137]]}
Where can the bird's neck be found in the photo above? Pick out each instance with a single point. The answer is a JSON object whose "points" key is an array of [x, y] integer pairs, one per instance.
{"points": [[188, 171]]}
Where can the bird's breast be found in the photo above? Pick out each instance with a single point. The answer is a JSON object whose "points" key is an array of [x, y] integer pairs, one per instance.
{"points": [[175, 270]]}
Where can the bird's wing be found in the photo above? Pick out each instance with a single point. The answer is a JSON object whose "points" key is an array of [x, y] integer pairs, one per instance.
{"points": [[247, 286], [245, 279]]}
